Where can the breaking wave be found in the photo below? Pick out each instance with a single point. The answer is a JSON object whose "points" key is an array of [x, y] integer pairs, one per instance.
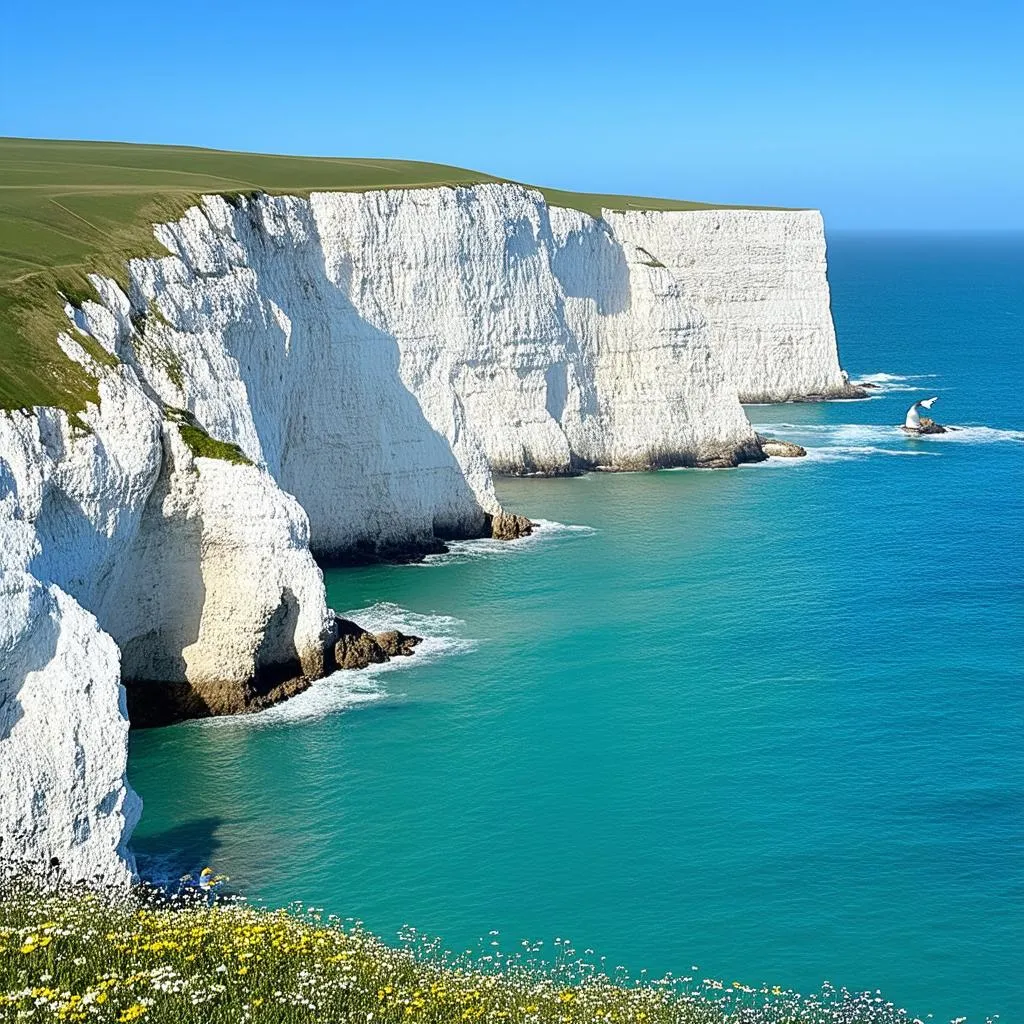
{"points": [[881, 433], [974, 435], [442, 636], [843, 442], [833, 453], [882, 383], [460, 551]]}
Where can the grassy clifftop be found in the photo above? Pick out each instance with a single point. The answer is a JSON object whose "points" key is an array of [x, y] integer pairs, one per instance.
{"points": [[71, 208]]}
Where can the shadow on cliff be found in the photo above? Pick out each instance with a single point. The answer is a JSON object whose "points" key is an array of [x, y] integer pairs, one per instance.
{"points": [[34, 649], [590, 264], [162, 592], [277, 657], [339, 428]]}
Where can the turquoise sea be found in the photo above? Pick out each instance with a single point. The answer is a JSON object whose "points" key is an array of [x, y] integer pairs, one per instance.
{"points": [[768, 721]]}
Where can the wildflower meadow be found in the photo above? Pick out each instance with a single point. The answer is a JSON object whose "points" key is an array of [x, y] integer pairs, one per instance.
{"points": [[71, 953]]}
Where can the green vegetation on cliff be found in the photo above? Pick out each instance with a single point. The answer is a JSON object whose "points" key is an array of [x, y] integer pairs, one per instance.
{"points": [[74, 955], [199, 441], [68, 209]]}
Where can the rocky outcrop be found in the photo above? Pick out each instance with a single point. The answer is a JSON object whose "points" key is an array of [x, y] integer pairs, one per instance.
{"points": [[217, 587], [509, 526], [396, 644], [926, 425], [774, 448], [728, 457], [358, 648]]}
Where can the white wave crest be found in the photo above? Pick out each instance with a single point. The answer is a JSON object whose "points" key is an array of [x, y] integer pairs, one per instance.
{"points": [[545, 530], [833, 453], [883, 383], [968, 434], [842, 442], [835, 434], [355, 687]]}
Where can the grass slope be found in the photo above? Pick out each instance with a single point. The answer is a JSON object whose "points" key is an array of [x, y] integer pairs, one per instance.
{"points": [[71, 208], [74, 955]]}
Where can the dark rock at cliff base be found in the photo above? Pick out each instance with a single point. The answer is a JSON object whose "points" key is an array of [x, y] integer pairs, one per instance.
{"points": [[152, 704], [725, 458], [846, 391], [509, 526], [775, 448], [397, 645], [928, 426], [376, 554], [356, 647]]}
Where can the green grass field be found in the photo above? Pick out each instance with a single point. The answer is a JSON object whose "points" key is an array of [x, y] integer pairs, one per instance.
{"points": [[71, 208]]}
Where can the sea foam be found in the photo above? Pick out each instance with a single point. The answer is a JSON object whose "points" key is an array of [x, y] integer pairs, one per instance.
{"points": [[833, 453], [882, 383], [544, 531], [843, 442], [352, 688], [880, 433]]}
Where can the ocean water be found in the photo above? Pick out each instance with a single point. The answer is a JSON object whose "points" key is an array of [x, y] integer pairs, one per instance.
{"points": [[767, 721]]}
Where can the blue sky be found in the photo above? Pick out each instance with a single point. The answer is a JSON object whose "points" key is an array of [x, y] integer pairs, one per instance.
{"points": [[884, 115]]}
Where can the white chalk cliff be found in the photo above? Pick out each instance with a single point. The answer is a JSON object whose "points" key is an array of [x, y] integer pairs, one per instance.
{"points": [[375, 357], [759, 278]]}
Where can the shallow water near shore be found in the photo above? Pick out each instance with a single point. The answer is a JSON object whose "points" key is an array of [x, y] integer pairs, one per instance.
{"points": [[767, 721]]}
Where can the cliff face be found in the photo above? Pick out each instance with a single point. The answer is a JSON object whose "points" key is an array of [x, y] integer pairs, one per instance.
{"points": [[381, 353], [63, 736], [194, 572], [374, 357], [546, 334], [759, 278]]}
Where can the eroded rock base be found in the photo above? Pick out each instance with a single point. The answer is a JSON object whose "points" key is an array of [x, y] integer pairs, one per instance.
{"points": [[152, 704], [358, 648], [928, 426], [508, 526], [774, 448]]}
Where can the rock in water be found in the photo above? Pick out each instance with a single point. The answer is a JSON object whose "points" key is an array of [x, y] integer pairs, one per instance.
{"points": [[509, 526], [925, 426], [396, 644], [929, 426], [915, 423], [358, 648], [775, 448]]}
